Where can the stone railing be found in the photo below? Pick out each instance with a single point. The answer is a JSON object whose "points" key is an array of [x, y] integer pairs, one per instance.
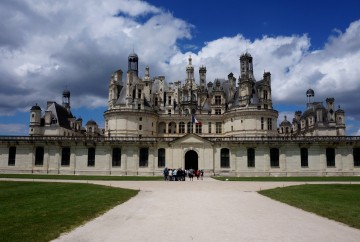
{"points": [[265, 139]]}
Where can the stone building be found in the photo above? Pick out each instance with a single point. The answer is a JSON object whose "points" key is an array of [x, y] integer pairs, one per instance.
{"points": [[225, 126]]}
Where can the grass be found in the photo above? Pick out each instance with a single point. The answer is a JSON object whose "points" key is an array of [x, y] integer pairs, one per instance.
{"points": [[293, 179], [37, 211], [338, 202], [79, 177]]}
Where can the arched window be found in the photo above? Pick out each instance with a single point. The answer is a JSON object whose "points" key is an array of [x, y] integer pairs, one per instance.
{"points": [[143, 157], [225, 158], [39, 156], [181, 128], [161, 157], [274, 157]]}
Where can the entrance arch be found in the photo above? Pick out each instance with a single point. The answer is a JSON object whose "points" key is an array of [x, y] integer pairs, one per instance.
{"points": [[191, 160]]}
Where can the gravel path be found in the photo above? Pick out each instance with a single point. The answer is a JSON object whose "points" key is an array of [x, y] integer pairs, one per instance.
{"points": [[207, 210]]}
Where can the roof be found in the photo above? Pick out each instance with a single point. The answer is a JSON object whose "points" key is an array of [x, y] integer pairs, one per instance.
{"points": [[91, 122], [36, 107]]}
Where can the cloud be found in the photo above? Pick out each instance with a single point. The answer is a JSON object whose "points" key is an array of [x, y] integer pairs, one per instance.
{"points": [[76, 45], [13, 129], [46, 46]]}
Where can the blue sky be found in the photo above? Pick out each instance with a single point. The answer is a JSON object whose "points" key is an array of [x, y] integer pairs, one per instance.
{"points": [[46, 46]]}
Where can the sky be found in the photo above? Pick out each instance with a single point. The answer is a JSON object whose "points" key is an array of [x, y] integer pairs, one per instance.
{"points": [[48, 46]]}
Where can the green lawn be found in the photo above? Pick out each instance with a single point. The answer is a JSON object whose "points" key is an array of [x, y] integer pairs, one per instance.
{"points": [[79, 177], [292, 179], [37, 211], [339, 202]]}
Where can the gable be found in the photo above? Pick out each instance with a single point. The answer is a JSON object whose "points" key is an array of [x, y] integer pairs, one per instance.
{"points": [[191, 139]]}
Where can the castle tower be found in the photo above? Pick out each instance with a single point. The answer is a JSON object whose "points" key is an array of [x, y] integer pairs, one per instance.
{"points": [[133, 63], [340, 122], [190, 70], [35, 120], [330, 110], [246, 66], [66, 100], [246, 80], [202, 74], [115, 81], [266, 91], [132, 75]]}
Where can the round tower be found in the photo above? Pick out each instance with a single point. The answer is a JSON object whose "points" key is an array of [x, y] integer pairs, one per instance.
{"points": [[35, 120]]}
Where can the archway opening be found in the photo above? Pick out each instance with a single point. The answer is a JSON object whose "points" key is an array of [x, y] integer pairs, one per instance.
{"points": [[191, 160]]}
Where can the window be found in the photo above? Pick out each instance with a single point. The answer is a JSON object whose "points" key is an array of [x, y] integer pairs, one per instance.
{"points": [[218, 127], [189, 127], [161, 157], [265, 95], [217, 111], [143, 157], [116, 157], [181, 127], [140, 119], [330, 157], [209, 127], [265, 106], [156, 101], [251, 157], [139, 106], [356, 155], [269, 123], [262, 123], [91, 156], [65, 156], [198, 128], [169, 112], [225, 157], [140, 127], [12, 156], [139, 93], [169, 100], [39, 156], [304, 157], [274, 157], [217, 100]]}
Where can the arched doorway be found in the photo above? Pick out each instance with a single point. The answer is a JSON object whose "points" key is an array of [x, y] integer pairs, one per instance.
{"points": [[191, 160]]}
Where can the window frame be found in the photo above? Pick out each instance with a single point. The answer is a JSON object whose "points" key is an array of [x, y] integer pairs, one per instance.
{"points": [[65, 156], [116, 157], [39, 156], [12, 156], [91, 157], [250, 157], [225, 158]]}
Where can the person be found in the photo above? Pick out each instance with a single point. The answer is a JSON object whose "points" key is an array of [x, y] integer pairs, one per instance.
{"points": [[201, 174], [166, 174], [197, 174], [191, 174], [170, 174]]}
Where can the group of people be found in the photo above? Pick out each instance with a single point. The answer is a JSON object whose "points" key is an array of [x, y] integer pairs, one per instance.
{"points": [[181, 174]]}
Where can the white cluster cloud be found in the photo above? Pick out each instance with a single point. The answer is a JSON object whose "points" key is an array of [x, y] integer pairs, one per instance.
{"points": [[46, 46]]}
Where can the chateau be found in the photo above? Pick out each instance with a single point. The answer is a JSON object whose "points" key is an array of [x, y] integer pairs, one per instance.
{"points": [[226, 126]]}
